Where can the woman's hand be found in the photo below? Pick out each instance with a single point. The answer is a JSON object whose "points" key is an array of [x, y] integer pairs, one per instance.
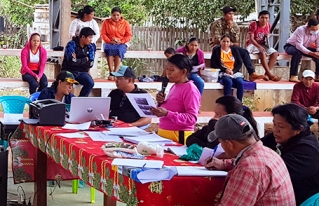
{"points": [[229, 71], [160, 97], [213, 163], [159, 111]]}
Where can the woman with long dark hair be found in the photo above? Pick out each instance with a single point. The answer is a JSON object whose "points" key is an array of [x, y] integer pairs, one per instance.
{"points": [[178, 111]]}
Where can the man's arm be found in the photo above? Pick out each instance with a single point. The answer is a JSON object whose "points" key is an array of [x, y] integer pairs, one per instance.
{"points": [[142, 122], [215, 32], [295, 97]]}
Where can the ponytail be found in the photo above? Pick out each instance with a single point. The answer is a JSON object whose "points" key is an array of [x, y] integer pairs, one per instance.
{"points": [[249, 116]]}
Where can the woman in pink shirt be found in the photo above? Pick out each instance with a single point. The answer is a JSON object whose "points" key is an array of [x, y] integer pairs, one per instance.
{"points": [[33, 60], [178, 111]]}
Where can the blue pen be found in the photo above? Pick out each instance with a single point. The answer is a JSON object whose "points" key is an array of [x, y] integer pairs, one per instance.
{"points": [[215, 149]]}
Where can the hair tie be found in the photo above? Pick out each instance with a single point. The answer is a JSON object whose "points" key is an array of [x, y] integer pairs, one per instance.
{"points": [[245, 108]]}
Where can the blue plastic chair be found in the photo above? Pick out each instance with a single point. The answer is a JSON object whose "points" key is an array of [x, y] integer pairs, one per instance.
{"points": [[13, 104], [34, 96]]}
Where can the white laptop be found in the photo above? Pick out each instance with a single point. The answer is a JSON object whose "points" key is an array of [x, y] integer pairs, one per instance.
{"points": [[85, 109]]}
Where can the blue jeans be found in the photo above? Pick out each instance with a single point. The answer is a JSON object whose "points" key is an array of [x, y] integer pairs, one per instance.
{"points": [[33, 84], [296, 57], [198, 81], [86, 80], [237, 83]]}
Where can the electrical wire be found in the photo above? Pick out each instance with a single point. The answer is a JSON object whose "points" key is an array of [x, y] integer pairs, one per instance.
{"points": [[51, 194]]}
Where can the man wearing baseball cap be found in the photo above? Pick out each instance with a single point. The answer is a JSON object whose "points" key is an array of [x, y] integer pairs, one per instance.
{"points": [[226, 25], [256, 175], [60, 89], [120, 105], [306, 93]]}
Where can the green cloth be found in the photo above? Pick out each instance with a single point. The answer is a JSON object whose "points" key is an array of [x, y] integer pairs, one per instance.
{"points": [[193, 153]]}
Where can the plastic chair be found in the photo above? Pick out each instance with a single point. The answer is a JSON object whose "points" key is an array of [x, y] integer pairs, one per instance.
{"points": [[13, 104], [75, 188], [34, 96]]}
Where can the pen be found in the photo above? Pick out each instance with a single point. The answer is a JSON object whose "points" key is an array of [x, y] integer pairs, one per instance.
{"points": [[215, 149]]}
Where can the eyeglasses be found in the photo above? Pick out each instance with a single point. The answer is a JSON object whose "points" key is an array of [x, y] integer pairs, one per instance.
{"points": [[123, 100]]}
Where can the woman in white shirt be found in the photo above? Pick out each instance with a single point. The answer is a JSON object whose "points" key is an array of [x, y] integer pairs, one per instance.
{"points": [[85, 19]]}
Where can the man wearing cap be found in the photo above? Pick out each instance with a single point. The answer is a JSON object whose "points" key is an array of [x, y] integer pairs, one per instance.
{"points": [[120, 105], [79, 58], [256, 175], [299, 44], [226, 25], [60, 89], [306, 93]]}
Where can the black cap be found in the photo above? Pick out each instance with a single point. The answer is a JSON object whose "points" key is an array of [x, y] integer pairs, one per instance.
{"points": [[124, 71], [227, 9], [66, 76]]}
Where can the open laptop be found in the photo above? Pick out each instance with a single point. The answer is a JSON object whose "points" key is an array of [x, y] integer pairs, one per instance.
{"points": [[85, 109]]}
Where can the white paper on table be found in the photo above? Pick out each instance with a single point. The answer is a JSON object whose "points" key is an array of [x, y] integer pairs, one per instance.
{"points": [[30, 121], [196, 68], [153, 175], [208, 152], [142, 103], [198, 171], [156, 164], [73, 135], [12, 117], [82, 126], [177, 150], [127, 131], [150, 138], [103, 137]]}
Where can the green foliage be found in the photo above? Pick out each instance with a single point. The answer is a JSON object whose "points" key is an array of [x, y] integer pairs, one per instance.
{"points": [[10, 67]]}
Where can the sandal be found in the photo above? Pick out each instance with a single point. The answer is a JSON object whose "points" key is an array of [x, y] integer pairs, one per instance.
{"points": [[274, 78]]}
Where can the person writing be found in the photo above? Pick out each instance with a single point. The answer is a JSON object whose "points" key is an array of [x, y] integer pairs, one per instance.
{"points": [[115, 32], [224, 105], [60, 89], [196, 57], [256, 174], [178, 112], [228, 60], [33, 59]]}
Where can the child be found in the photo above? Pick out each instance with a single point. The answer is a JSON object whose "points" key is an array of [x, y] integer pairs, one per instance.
{"points": [[168, 53]]}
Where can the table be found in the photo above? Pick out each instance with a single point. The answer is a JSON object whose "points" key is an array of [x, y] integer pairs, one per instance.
{"points": [[86, 160]]}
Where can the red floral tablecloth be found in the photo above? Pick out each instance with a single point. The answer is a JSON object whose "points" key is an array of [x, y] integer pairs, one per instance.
{"points": [[85, 159]]}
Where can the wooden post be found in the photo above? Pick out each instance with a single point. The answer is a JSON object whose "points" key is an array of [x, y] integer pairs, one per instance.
{"points": [[65, 21], [40, 176]]}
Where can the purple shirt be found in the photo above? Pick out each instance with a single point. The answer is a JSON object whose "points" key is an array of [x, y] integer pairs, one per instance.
{"points": [[182, 103], [302, 39]]}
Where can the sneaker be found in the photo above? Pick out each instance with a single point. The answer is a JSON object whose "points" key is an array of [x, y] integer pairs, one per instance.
{"points": [[294, 78], [254, 76]]}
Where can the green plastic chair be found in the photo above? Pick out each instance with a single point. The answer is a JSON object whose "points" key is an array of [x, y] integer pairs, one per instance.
{"points": [[75, 188], [13, 104]]}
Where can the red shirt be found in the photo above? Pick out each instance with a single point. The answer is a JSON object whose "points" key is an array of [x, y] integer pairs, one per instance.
{"points": [[260, 177], [305, 96], [258, 32]]}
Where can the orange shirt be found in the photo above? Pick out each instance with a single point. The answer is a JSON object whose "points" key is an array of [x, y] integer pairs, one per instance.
{"points": [[227, 58], [120, 30]]}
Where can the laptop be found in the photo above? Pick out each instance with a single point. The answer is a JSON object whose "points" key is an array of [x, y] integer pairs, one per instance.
{"points": [[85, 109]]}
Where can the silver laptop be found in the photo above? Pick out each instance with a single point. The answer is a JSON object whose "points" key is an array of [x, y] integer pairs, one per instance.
{"points": [[85, 109]]}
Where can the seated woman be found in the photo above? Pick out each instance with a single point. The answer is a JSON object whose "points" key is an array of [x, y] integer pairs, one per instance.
{"points": [[115, 32], [33, 60], [196, 57], [168, 53], [298, 146], [61, 88], [85, 19], [224, 105], [228, 60], [178, 112]]}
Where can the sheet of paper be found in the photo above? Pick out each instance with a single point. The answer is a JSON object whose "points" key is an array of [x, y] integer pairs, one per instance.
{"points": [[153, 175], [30, 121], [73, 135], [198, 171], [83, 126], [12, 117], [208, 152], [196, 68], [150, 138], [142, 103], [177, 150], [156, 164], [127, 131], [103, 137]]}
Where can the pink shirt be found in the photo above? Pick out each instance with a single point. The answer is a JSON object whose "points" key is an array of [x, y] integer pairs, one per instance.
{"points": [[258, 32], [182, 103], [302, 39]]}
